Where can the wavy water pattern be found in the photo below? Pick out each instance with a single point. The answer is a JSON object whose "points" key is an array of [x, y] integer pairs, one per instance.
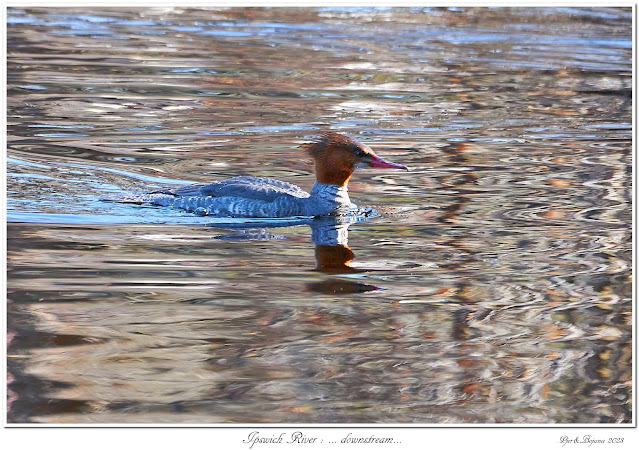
{"points": [[490, 284]]}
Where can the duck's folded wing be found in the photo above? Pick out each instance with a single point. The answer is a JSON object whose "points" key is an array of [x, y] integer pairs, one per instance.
{"points": [[255, 188]]}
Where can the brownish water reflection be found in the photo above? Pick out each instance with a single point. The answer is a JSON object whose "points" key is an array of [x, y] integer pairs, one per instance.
{"points": [[494, 286]]}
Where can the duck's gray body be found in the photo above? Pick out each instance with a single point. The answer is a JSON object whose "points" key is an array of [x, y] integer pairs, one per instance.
{"points": [[249, 197]]}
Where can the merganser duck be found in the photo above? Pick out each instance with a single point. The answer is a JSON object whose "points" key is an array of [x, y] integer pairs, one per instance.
{"points": [[336, 157]]}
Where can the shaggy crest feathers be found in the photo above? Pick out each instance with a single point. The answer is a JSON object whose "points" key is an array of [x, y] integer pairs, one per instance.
{"points": [[326, 140]]}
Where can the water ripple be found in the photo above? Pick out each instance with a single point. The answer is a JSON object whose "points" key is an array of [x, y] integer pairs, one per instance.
{"points": [[494, 285]]}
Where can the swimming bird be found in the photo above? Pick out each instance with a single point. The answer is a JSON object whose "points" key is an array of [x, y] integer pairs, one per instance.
{"points": [[336, 157]]}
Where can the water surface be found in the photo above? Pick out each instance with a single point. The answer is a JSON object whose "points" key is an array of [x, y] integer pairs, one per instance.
{"points": [[492, 286]]}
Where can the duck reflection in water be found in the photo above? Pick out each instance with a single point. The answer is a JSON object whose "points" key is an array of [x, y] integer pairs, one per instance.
{"points": [[332, 253]]}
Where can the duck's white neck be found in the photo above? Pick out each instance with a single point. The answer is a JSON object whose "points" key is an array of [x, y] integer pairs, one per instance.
{"points": [[330, 192], [326, 198]]}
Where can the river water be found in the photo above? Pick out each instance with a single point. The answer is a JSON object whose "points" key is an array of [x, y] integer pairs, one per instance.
{"points": [[492, 285]]}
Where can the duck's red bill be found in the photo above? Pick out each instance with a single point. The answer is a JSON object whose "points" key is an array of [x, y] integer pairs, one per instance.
{"points": [[383, 164]]}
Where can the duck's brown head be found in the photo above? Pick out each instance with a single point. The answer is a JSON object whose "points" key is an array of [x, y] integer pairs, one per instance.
{"points": [[336, 157]]}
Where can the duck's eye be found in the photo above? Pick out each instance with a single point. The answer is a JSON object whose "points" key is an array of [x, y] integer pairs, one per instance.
{"points": [[360, 153]]}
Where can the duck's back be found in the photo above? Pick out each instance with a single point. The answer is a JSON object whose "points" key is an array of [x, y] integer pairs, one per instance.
{"points": [[255, 188]]}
